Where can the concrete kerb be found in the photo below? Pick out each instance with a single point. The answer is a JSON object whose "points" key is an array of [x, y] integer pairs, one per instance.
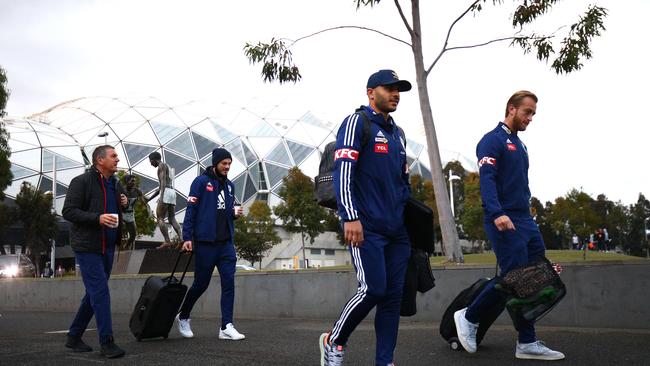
{"points": [[600, 295]]}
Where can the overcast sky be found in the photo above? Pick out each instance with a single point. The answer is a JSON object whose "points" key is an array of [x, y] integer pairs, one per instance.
{"points": [[591, 129]]}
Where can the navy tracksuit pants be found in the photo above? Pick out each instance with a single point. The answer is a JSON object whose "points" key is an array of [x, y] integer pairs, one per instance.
{"points": [[206, 257], [513, 248], [380, 264], [95, 272]]}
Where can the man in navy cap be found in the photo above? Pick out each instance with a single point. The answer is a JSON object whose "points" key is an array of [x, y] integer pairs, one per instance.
{"points": [[208, 230], [371, 184]]}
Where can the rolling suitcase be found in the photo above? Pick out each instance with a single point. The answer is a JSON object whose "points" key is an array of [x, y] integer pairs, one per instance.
{"points": [[464, 299], [159, 302]]}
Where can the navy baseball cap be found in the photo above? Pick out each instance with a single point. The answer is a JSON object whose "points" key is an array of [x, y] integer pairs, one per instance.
{"points": [[387, 77]]}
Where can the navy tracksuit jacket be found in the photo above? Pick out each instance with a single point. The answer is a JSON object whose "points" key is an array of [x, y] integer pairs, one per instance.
{"points": [[372, 186], [503, 169], [211, 201]]}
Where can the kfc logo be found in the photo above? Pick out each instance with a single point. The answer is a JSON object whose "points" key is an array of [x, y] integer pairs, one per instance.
{"points": [[346, 154], [487, 160], [381, 148]]}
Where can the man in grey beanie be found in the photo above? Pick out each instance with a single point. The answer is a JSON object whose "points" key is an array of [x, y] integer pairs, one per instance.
{"points": [[208, 230]]}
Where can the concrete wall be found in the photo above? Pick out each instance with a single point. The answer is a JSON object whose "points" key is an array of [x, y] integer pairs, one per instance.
{"points": [[599, 295]]}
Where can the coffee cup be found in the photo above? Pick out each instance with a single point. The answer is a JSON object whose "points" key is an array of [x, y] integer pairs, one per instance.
{"points": [[238, 209], [117, 220]]}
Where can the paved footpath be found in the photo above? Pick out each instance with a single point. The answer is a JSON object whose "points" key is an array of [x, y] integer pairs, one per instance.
{"points": [[30, 338]]}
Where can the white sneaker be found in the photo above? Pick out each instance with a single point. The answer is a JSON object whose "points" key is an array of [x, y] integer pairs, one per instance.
{"points": [[537, 351], [466, 331], [184, 327], [230, 333], [324, 346]]}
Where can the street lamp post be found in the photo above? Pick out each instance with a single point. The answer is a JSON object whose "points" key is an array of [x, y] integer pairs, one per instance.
{"points": [[53, 241], [452, 178], [645, 233]]}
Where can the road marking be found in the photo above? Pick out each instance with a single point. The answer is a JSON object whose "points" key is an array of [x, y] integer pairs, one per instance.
{"points": [[84, 359], [65, 331]]}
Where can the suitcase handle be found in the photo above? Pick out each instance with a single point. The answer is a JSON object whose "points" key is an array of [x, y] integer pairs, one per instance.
{"points": [[187, 265]]}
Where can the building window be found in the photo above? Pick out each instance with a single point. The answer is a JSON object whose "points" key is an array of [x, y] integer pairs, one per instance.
{"points": [[262, 180], [329, 252], [314, 251]]}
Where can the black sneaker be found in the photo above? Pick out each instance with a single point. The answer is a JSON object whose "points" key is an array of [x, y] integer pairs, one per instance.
{"points": [[77, 344], [110, 349]]}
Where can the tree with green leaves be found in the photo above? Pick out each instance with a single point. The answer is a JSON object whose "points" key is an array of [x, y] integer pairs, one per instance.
{"points": [[299, 211], [5, 152], [617, 224], [255, 234], [539, 212], [7, 217], [333, 223], [4, 92], [470, 217], [573, 213], [636, 243], [39, 221], [573, 47]]}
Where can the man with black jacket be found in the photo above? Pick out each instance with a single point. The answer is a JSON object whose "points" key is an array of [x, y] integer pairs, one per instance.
{"points": [[93, 205]]}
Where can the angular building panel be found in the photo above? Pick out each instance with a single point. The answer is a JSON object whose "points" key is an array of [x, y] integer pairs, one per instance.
{"points": [[265, 139]]}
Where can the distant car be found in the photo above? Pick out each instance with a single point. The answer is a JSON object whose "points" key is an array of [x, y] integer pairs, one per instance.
{"points": [[244, 267], [16, 265]]}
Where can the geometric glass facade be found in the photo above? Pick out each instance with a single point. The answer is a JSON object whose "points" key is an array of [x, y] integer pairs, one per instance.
{"points": [[265, 140]]}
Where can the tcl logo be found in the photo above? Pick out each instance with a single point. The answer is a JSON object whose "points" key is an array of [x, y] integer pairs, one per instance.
{"points": [[346, 154], [381, 148], [487, 160]]}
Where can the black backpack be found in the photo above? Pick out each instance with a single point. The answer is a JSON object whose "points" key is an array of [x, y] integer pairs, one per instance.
{"points": [[324, 181]]}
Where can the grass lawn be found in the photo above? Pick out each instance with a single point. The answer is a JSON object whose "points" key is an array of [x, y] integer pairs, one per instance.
{"points": [[560, 256]]}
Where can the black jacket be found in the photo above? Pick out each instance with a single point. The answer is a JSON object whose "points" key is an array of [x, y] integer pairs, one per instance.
{"points": [[84, 202]]}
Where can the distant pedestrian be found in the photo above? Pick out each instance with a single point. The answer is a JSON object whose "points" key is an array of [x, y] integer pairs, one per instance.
{"points": [[600, 240], [575, 241]]}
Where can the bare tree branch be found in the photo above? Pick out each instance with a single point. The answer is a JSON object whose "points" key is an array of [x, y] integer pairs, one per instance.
{"points": [[444, 47], [401, 14], [492, 41], [346, 27]]}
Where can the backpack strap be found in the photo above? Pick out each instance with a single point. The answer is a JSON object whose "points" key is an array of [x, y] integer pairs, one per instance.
{"points": [[365, 137], [365, 123]]}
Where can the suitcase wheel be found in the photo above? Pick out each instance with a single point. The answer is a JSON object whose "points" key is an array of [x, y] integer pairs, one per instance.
{"points": [[454, 344]]}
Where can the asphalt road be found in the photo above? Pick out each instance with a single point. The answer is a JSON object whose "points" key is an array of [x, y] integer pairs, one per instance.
{"points": [[30, 338]]}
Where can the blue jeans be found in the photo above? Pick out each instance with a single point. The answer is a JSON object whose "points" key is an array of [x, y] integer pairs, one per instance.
{"points": [[206, 257], [513, 248], [95, 272]]}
